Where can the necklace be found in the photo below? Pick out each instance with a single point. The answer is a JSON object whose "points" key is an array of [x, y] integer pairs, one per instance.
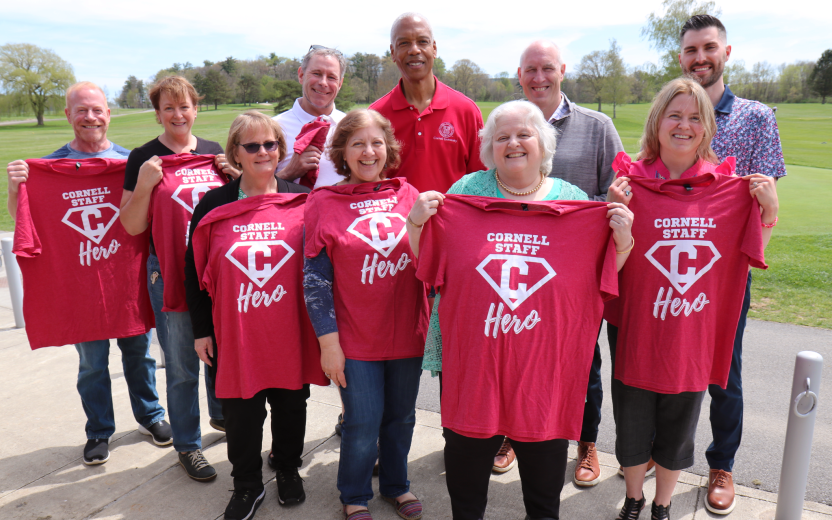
{"points": [[520, 193]]}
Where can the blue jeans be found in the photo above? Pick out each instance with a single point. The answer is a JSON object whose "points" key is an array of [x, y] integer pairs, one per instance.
{"points": [[95, 390], [726, 405], [379, 416], [181, 367]]}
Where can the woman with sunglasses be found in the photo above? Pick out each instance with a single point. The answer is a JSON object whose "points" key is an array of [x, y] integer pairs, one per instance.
{"points": [[255, 145], [175, 101]]}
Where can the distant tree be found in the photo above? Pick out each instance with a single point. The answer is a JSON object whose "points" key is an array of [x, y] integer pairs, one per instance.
{"points": [[359, 88], [592, 73], [229, 66], [199, 84], [247, 87], [37, 73], [368, 67], [793, 84], [388, 78], [187, 66], [821, 77], [207, 63], [286, 92], [645, 82], [345, 99], [663, 30], [618, 85], [216, 88], [439, 69], [468, 78]]}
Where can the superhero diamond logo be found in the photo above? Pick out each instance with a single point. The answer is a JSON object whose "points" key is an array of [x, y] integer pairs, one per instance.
{"points": [[92, 221], [683, 262], [189, 195], [261, 259], [381, 231], [514, 277]]}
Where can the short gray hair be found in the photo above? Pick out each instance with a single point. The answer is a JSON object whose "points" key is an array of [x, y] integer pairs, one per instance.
{"points": [[324, 51], [545, 132], [403, 17]]}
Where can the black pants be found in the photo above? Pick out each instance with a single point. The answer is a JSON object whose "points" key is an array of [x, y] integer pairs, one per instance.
{"points": [[244, 432], [468, 464], [594, 396]]}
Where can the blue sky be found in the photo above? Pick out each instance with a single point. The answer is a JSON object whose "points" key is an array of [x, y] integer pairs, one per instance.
{"points": [[107, 41]]}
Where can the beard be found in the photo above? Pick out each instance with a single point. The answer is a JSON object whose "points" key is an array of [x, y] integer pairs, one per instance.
{"points": [[710, 79]]}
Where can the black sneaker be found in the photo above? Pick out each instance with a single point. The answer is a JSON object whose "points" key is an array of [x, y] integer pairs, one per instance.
{"points": [[338, 424], [243, 504], [160, 432], [632, 508], [660, 512], [96, 451], [196, 466], [289, 486], [218, 424]]}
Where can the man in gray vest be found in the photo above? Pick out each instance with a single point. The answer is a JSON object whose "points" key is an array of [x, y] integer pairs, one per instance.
{"points": [[587, 144]]}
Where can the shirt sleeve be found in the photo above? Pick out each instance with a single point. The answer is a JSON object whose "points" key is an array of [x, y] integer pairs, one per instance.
{"points": [[317, 293], [431, 261], [199, 301], [611, 148], [26, 241], [752, 241], [767, 157]]}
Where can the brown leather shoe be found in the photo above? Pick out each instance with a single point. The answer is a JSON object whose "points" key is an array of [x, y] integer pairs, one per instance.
{"points": [[720, 500], [505, 459], [588, 470]]}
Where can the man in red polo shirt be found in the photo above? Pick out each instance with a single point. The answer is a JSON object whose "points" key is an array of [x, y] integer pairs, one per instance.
{"points": [[436, 125]]}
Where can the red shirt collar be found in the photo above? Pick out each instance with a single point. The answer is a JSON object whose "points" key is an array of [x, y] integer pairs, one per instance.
{"points": [[439, 101]]}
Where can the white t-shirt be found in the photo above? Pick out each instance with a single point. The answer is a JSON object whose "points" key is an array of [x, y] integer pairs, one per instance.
{"points": [[291, 122]]}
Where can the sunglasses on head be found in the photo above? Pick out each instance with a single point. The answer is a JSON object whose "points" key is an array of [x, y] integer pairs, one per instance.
{"points": [[270, 146], [324, 48]]}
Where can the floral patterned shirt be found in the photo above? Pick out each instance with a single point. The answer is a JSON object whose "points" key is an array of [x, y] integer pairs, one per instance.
{"points": [[747, 130]]}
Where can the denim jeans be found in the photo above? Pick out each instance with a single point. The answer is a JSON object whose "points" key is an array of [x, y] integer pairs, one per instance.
{"points": [[726, 405], [95, 390], [379, 407], [181, 367]]}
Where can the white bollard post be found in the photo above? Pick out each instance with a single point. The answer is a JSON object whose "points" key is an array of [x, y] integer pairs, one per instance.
{"points": [[803, 409], [15, 281]]}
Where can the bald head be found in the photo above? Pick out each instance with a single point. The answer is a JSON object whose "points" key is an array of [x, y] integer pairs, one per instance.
{"points": [[410, 18], [546, 47], [540, 74]]}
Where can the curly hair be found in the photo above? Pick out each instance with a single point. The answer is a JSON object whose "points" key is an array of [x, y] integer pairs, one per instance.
{"points": [[356, 120], [534, 117]]}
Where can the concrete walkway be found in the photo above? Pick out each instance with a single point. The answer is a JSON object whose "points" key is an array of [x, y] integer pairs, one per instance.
{"points": [[42, 476]]}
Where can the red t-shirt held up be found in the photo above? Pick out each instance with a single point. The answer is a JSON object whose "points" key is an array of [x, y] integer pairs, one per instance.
{"points": [[248, 257], [523, 285], [381, 308], [186, 179], [683, 284], [84, 276]]}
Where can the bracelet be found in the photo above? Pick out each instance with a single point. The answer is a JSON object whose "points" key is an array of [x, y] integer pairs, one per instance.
{"points": [[413, 223], [627, 251], [769, 226]]}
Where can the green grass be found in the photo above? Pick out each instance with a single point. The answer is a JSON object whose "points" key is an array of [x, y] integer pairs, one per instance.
{"points": [[797, 288]]}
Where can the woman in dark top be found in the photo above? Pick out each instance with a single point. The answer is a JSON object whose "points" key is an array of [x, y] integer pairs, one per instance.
{"points": [[244, 416], [175, 101]]}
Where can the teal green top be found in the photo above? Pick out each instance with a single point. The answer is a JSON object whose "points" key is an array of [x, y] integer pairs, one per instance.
{"points": [[482, 184]]}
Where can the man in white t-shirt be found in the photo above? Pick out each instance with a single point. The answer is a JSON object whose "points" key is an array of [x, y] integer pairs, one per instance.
{"points": [[321, 74]]}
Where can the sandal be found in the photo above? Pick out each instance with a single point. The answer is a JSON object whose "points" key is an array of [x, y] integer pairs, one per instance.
{"points": [[409, 510], [361, 514]]}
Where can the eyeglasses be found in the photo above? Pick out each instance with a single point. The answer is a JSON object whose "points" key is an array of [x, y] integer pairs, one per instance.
{"points": [[270, 146], [323, 48]]}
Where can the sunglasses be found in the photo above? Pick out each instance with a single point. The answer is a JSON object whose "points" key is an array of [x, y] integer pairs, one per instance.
{"points": [[324, 48], [269, 146]]}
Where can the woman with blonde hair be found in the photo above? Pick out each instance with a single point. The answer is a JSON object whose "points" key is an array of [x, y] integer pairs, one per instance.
{"points": [[229, 300], [668, 348]]}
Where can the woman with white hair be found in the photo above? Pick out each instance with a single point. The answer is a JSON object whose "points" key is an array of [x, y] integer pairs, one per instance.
{"points": [[517, 146]]}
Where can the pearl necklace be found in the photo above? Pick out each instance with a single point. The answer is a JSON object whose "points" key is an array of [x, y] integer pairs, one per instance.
{"points": [[520, 193]]}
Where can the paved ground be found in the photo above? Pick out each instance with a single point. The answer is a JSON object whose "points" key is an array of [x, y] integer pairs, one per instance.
{"points": [[42, 436]]}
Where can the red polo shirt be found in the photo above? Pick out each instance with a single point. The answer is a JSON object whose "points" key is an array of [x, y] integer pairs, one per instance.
{"points": [[441, 144]]}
